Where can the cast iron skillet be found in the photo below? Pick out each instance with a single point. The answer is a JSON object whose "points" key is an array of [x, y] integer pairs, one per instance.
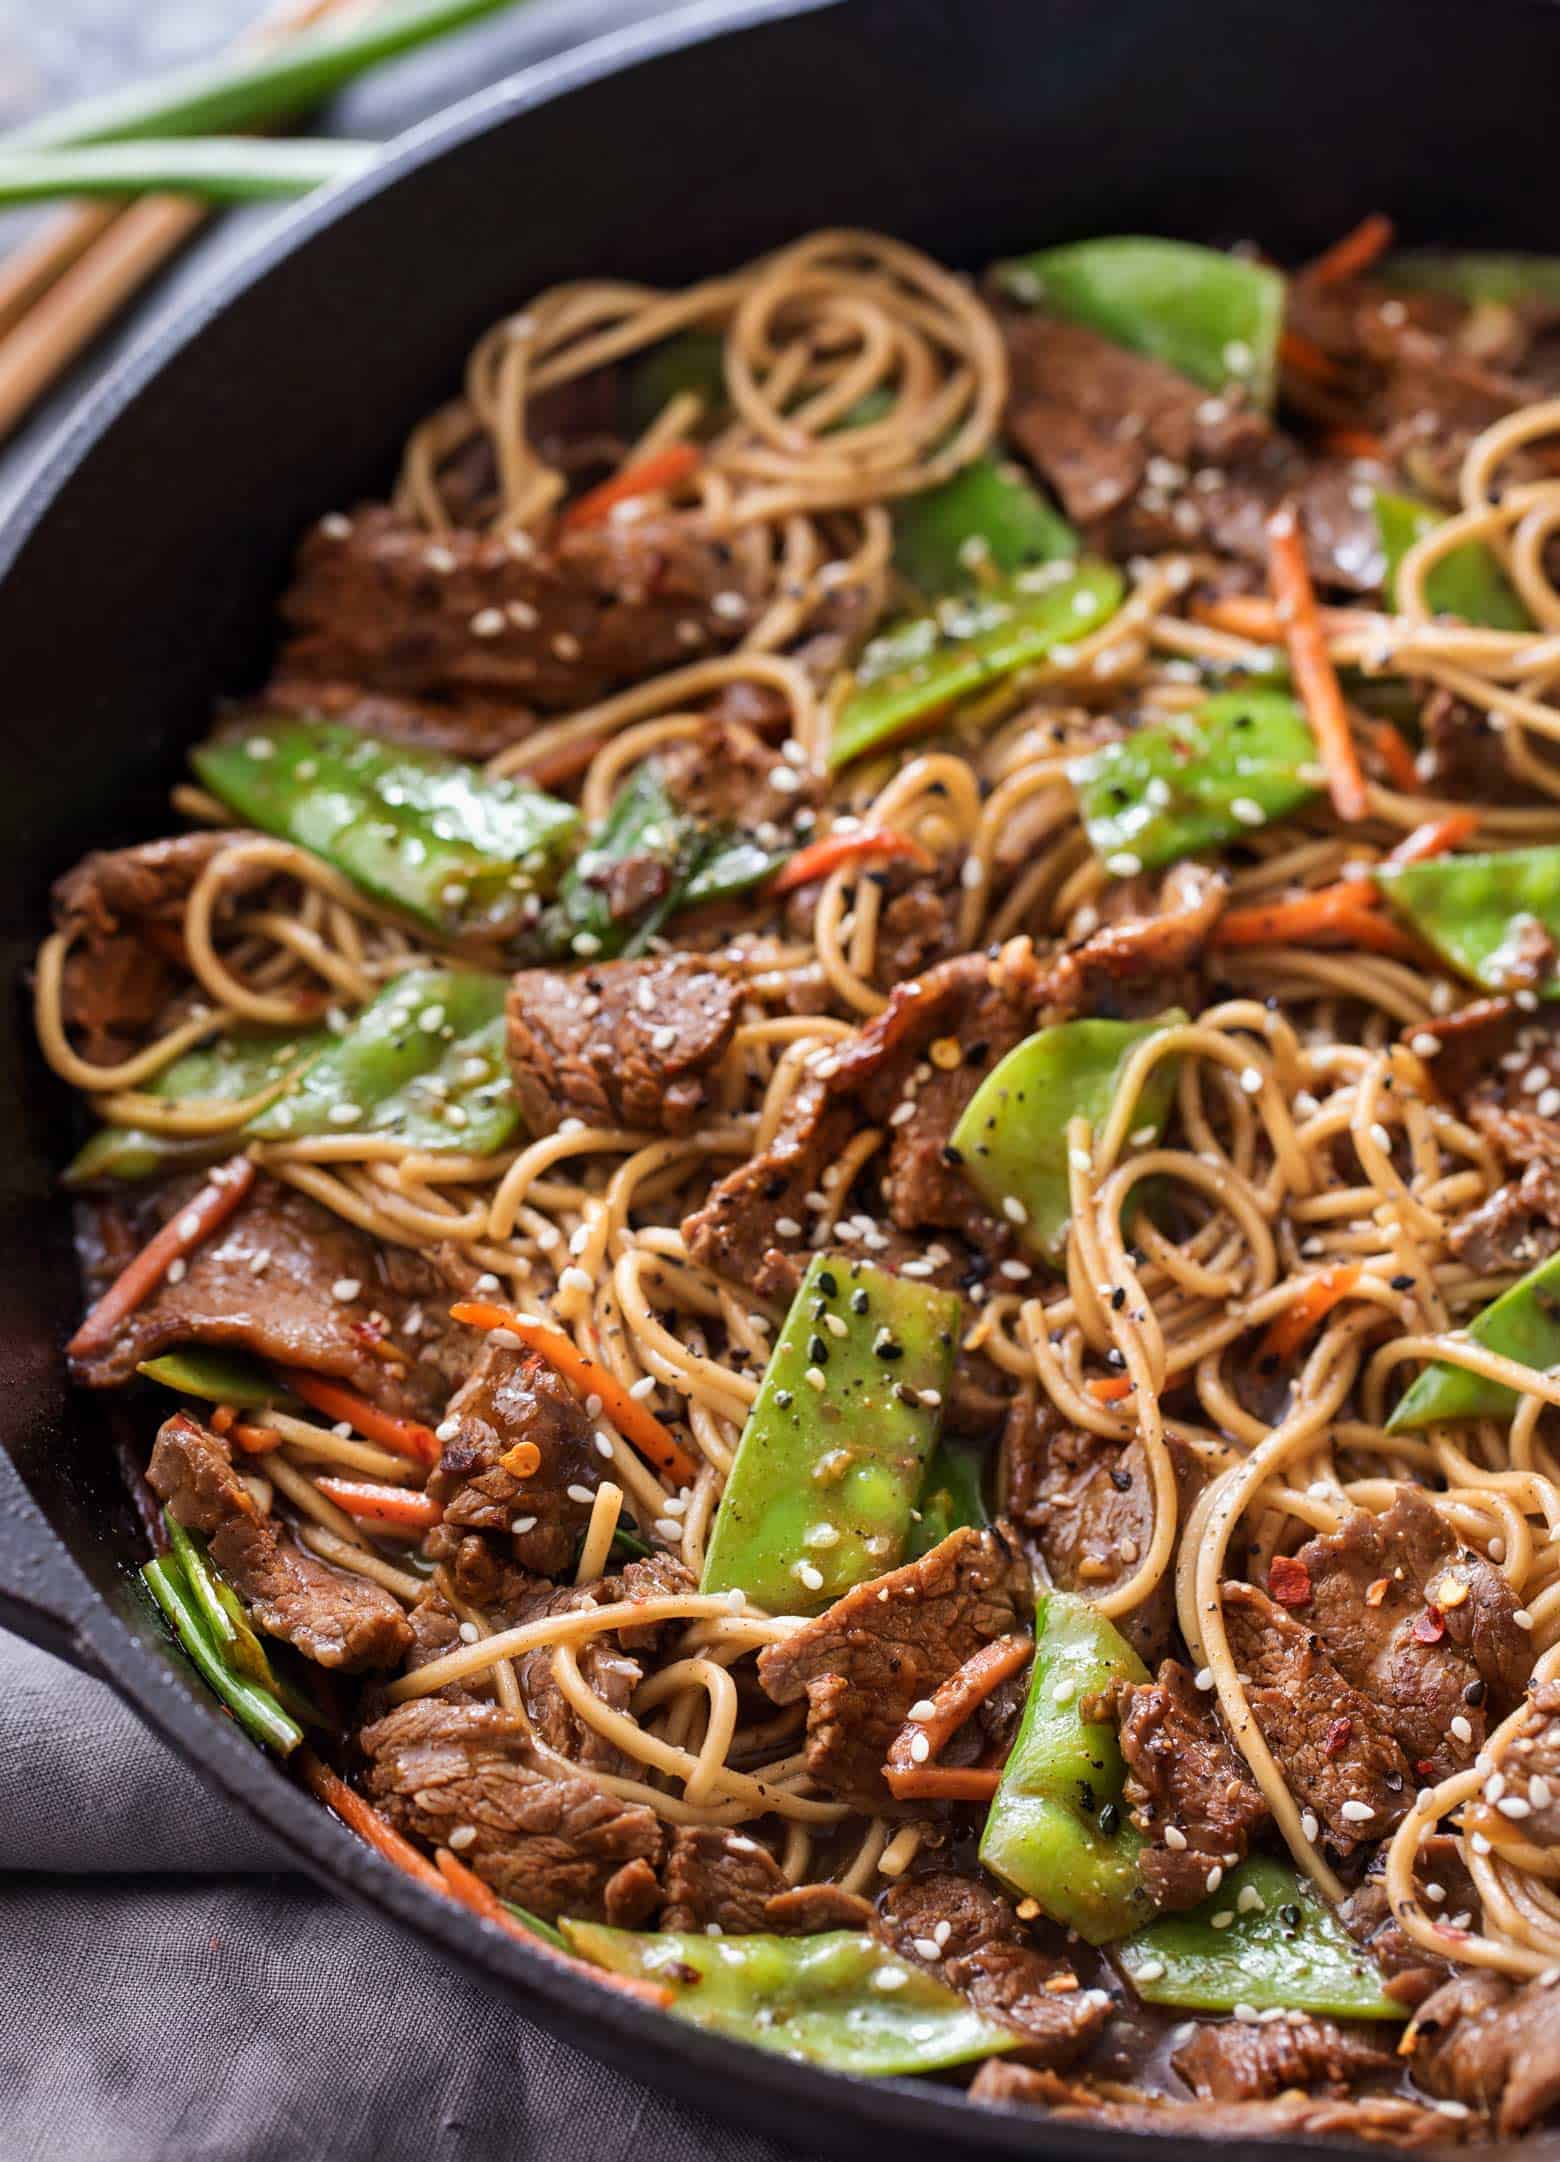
{"points": [[138, 575]]}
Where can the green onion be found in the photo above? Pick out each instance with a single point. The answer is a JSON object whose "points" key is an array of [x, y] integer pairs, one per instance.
{"points": [[226, 96], [223, 169], [202, 1583], [255, 1709]]}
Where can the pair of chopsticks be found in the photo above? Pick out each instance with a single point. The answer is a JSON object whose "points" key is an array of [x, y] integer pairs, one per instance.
{"points": [[61, 287]]}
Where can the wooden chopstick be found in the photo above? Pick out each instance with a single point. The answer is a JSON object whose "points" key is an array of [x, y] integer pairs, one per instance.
{"points": [[58, 290]]}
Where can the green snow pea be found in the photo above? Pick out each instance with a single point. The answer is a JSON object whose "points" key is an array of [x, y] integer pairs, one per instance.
{"points": [[424, 1064], [693, 360], [1468, 583], [1287, 1949], [917, 669], [952, 1495], [1012, 1138], [239, 1064], [216, 1376], [830, 1463], [1196, 780], [256, 1708], [1475, 276], [839, 2000], [1213, 317], [445, 842], [989, 517], [1057, 1831], [1474, 910], [1522, 1324]]}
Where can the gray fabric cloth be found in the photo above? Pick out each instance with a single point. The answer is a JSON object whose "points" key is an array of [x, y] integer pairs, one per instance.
{"points": [[168, 1995]]}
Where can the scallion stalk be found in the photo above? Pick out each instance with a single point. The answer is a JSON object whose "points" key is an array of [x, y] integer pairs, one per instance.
{"points": [[223, 169], [255, 1709]]}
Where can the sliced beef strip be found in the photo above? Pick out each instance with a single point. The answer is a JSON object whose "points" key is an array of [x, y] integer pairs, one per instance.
{"points": [[1516, 1229], [1464, 759], [1235, 2062], [1134, 965], [296, 1284], [553, 1843], [513, 1396], [463, 617], [736, 1231], [1532, 1754], [123, 912], [1495, 1064], [631, 1043], [333, 1618], [807, 1910], [1144, 459], [1380, 2120], [969, 1938], [727, 775], [1421, 1626], [1332, 1745], [716, 1876], [1086, 1508], [891, 1641], [1183, 1770], [1493, 2047], [1410, 1972]]}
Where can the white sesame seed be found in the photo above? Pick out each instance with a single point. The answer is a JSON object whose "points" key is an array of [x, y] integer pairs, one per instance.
{"points": [[1461, 1728], [1014, 1210], [1123, 864], [1512, 1805], [806, 1573], [1215, 1877], [178, 1268], [344, 1114], [924, 1947], [1250, 1901], [789, 1228], [1309, 1825], [487, 623], [1223, 1918], [464, 1835], [1204, 1678], [1356, 1812], [920, 1747], [586, 944], [469, 1632], [1248, 812], [922, 1708], [815, 1379], [345, 1289], [574, 1279], [1251, 1080], [1523, 1618], [643, 1389], [668, 1528], [523, 1524], [1175, 1839], [582, 1494]]}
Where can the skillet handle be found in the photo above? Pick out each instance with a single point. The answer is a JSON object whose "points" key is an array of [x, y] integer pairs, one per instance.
{"points": [[43, 1595]]}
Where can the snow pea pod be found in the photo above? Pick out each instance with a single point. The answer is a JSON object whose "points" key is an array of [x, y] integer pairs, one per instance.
{"points": [[255, 1707], [1195, 780], [834, 1451], [449, 845], [1475, 276], [952, 1495], [1479, 911], [1012, 1138], [989, 517], [1468, 583], [424, 1064], [1264, 1939], [919, 668], [1057, 1831], [1213, 317], [840, 2000], [243, 1063], [1522, 1324]]}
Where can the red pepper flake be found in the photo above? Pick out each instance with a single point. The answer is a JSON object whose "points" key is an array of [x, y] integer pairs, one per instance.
{"points": [[1376, 1592], [1430, 1626], [1338, 1735], [1289, 1581], [1425, 1767]]}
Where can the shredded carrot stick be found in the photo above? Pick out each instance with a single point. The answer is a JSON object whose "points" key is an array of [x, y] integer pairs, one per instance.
{"points": [[1109, 1388], [819, 858], [1436, 837], [1304, 1314], [180, 1236], [1355, 443], [1345, 914], [662, 469], [1306, 358], [372, 1504], [909, 1775], [465, 1885], [222, 1417], [655, 1442], [1351, 256], [364, 1819], [253, 1440], [407, 1437], [1391, 747], [1252, 615], [1316, 679]]}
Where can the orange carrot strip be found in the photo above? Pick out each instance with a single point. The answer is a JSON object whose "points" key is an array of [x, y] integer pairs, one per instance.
{"points": [[465, 1885], [1252, 615], [253, 1440], [1353, 254], [372, 1504], [656, 1443], [1436, 837], [965, 1690], [1291, 1328], [1306, 358], [364, 1819], [1355, 443], [523, 1461], [1391, 747], [662, 469], [180, 1236], [1345, 914], [1109, 1388], [222, 1417], [407, 1437], [819, 858], [1315, 677]]}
